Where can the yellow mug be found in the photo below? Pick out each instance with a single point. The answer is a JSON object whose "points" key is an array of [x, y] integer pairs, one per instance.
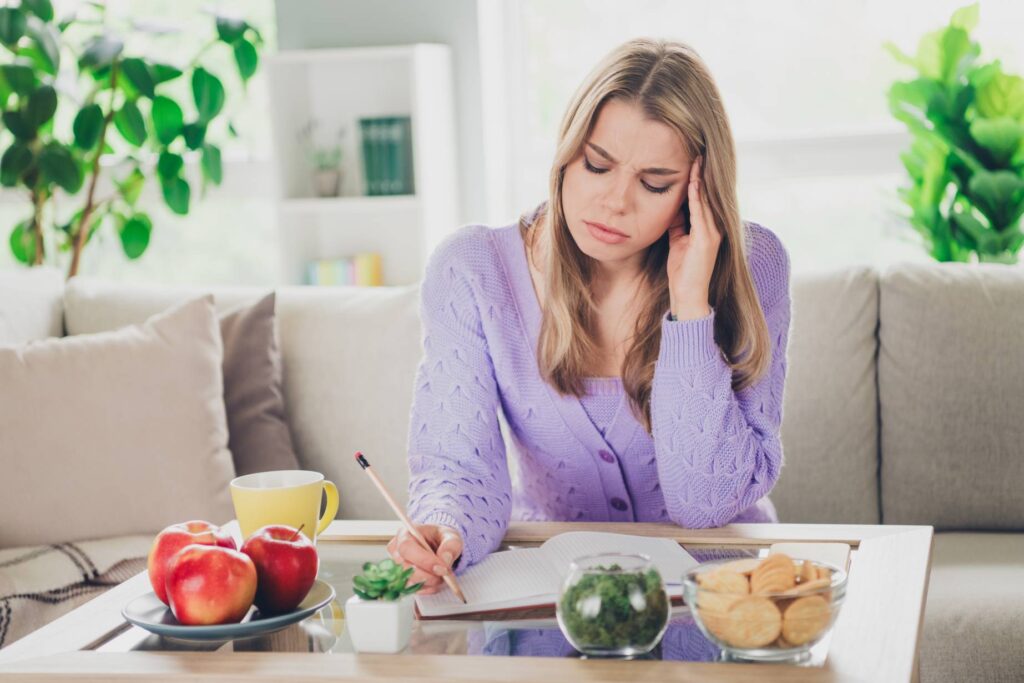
{"points": [[289, 497]]}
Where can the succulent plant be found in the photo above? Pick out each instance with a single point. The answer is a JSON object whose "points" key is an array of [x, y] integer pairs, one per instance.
{"points": [[384, 580]]}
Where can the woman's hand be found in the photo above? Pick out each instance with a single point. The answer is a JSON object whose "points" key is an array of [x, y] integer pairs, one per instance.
{"points": [[691, 258], [406, 550]]}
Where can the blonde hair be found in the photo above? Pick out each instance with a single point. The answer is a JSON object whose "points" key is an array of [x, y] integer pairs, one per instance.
{"points": [[671, 84]]}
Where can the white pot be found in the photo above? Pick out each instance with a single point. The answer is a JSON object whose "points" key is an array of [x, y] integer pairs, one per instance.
{"points": [[379, 625]]}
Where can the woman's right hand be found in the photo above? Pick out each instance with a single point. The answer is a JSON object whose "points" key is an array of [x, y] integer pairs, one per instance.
{"points": [[406, 550]]}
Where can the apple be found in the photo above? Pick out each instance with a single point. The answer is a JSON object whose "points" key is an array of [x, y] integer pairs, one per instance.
{"points": [[174, 538], [210, 584], [286, 563]]}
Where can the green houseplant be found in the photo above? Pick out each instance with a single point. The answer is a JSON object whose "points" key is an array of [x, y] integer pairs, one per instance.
{"points": [[966, 160], [125, 123], [380, 614]]}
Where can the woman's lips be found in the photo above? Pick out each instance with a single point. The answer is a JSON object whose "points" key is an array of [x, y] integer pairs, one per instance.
{"points": [[604, 235]]}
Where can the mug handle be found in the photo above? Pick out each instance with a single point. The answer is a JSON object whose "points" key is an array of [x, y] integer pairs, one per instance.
{"points": [[332, 507]]}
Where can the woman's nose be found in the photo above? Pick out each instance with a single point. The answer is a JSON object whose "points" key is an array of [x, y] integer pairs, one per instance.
{"points": [[616, 196]]}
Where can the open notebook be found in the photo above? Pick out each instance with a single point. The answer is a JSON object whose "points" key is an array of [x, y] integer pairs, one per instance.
{"points": [[532, 577]]}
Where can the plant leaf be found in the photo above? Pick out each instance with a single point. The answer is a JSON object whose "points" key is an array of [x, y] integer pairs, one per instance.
{"points": [[211, 164], [20, 77], [12, 25], [58, 166], [135, 235], [208, 93], [194, 134], [176, 194], [1002, 137], [19, 125], [169, 165], [87, 126], [966, 17], [130, 124], [163, 72], [997, 194], [1001, 95], [131, 187], [137, 73], [167, 119], [16, 159], [230, 29], [23, 242], [247, 58], [101, 52], [46, 39], [41, 105], [41, 8]]}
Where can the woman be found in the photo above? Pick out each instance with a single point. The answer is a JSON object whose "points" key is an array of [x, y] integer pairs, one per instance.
{"points": [[632, 331]]}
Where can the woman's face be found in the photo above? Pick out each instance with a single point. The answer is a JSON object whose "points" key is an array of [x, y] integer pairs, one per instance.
{"points": [[631, 177]]}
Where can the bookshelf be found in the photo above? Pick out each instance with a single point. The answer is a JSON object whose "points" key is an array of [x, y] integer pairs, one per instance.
{"points": [[336, 88]]}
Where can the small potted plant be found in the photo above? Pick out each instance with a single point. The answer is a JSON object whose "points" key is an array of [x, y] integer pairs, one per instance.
{"points": [[380, 614], [325, 159]]}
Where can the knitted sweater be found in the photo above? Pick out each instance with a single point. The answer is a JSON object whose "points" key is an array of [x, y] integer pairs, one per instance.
{"points": [[714, 454]]}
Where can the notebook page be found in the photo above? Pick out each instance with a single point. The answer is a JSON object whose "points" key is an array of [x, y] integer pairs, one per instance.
{"points": [[668, 556], [502, 579]]}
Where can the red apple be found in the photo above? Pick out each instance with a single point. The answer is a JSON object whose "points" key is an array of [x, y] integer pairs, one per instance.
{"points": [[208, 584], [286, 562], [174, 538]]}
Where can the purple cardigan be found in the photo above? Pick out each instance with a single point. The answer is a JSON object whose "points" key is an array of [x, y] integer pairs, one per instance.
{"points": [[714, 455]]}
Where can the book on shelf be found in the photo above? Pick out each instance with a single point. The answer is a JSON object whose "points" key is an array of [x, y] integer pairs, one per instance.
{"points": [[527, 578], [387, 154], [361, 270]]}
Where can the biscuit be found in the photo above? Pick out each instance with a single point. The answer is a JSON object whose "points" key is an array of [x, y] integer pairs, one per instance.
{"points": [[805, 619], [752, 621], [808, 572], [744, 566], [722, 580], [775, 573]]}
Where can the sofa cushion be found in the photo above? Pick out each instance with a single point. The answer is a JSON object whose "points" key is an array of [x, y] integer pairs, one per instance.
{"points": [[951, 374], [31, 304], [114, 433], [259, 438], [972, 622], [830, 404]]}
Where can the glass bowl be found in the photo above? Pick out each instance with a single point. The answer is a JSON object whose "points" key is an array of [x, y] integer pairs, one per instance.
{"points": [[765, 612], [613, 605]]}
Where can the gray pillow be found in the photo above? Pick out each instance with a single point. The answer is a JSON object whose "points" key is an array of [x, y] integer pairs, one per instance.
{"points": [[114, 433]]}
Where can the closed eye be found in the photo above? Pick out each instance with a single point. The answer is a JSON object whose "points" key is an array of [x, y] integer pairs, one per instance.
{"points": [[599, 171]]}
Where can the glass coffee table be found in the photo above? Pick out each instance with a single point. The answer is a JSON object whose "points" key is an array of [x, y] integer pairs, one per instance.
{"points": [[875, 636]]}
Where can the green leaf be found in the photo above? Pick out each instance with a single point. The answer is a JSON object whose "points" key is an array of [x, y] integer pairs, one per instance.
{"points": [[1001, 95], [997, 194], [12, 25], [176, 194], [130, 123], [211, 164], [138, 75], [169, 165], [231, 129], [966, 18], [167, 119], [101, 52], [23, 242], [58, 166], [16, 159], [41, 105], [131, 187], [46, 41], [899, 55], [41, 8], [20, 77], [19, 125], [194, 134], [163, 72], [208, 93], [246, 58], [135, 235], [1002, 137], [87, 126], [230, 29]]}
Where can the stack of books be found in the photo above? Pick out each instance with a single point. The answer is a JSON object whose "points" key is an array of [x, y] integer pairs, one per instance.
{"points": [[387, 154], [361, 270]]}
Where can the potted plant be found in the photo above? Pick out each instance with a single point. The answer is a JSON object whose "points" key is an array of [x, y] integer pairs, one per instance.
{"points": [[380, 614], [325, 159], [966, 160]]}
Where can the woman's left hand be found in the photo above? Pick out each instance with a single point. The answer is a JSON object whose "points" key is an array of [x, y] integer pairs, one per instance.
{"points": [[691, 257]]}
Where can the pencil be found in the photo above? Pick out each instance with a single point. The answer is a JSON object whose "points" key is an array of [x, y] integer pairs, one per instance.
{"points": [[449, 578]]}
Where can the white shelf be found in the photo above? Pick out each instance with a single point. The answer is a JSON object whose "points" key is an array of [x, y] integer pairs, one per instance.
{"points": [[337, 87], [401, 202]]}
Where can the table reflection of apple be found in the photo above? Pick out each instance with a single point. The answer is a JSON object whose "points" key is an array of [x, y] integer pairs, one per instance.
{"points": [[286, 564], [210, 585], [174, 538]]}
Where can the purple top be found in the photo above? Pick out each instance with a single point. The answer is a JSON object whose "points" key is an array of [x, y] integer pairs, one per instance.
{"points": [[714, 455]]}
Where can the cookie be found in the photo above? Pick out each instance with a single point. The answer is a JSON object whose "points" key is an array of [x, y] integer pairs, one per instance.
{"points": [[808, 572], [722, 580], [752, 621], [805, 619], [775, 574], [744, 566]]}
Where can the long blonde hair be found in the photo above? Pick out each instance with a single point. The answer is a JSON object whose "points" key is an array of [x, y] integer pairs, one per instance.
{"points": [[671, 84]]}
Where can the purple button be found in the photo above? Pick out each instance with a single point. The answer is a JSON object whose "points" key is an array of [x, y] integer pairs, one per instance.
{"points": [[606, 456], [618, 504]]}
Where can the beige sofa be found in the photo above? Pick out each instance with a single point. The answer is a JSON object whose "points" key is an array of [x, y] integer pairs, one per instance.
{"points": [[904, 404]]}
